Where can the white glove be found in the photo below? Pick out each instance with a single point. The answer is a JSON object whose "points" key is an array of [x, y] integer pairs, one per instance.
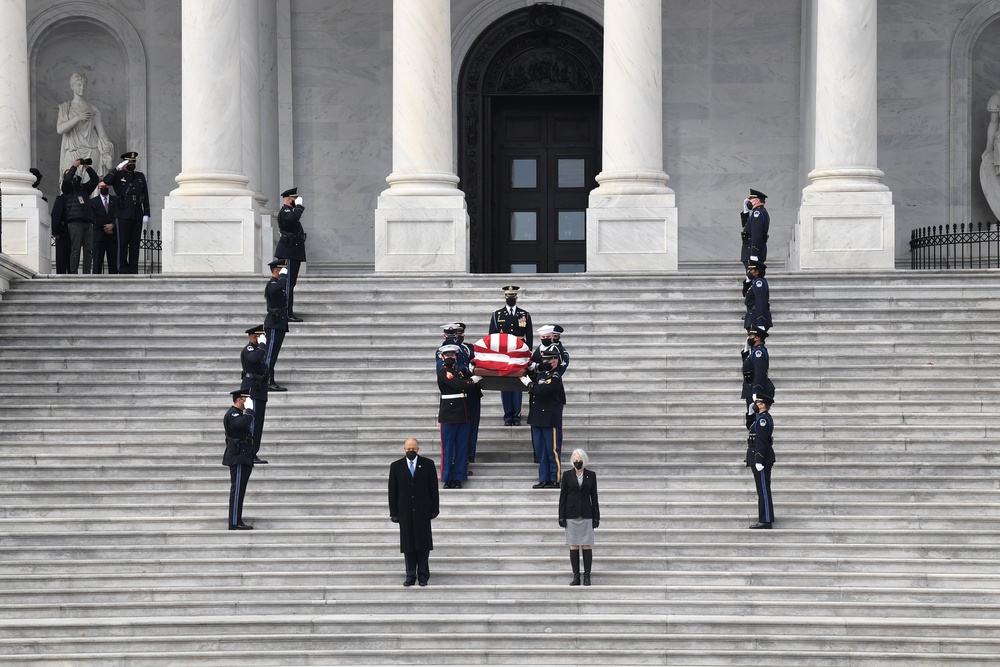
{"points": [[759, 466], [532, 366], [145, 219], [298, 201], [262, 339], [525, 381], [746, 205], [282, 272], [121, 165], [475, 378], [753, 258], [472, 369], [248, 404]]}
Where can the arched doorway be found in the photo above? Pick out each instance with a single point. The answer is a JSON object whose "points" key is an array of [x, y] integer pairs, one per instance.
{"points": [[529, 144]]}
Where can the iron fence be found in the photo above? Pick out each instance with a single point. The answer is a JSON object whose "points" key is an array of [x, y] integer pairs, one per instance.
{"points": [[150, 252], [956, 247]]}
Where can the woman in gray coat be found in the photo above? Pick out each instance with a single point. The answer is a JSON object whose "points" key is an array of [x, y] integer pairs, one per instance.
{"points": [[579, 513]]}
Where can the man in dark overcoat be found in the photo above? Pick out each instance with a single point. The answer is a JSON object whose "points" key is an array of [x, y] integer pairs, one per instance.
{"points": [[413, 504]]}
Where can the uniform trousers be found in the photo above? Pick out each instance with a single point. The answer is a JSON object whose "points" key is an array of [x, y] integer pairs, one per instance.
{"points": [[455, 452], [291, 278], [105, 244], [544, 441], [81, 238], [474, 405], [129, 235], [239, 475], [274, 339], [559, 432], [259, 399], [417, 567], [765, 508], [511, 401]]}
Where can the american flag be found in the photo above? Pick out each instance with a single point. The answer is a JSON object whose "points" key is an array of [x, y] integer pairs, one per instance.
{"points": [[504, 353]]}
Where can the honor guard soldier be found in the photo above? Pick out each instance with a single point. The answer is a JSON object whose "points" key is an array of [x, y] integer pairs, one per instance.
{"points": [[453, 416], [544, 416], [238, 423], [760, 459], [292, 242], [276, 322], [253, 358], [549, 335], [757, 299], [452, 337], [755, 373], [133, 209], [756, 223], [515, 321], [474, 395]]}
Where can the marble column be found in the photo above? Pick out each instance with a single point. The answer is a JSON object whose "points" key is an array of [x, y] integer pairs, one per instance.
{"points": [[421, 221], [211, 221], [26, 235], [268, 139], [846, 218], [632, 218]]}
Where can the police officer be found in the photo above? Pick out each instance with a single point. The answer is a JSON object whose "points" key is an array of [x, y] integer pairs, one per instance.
{"points": [[544, 416], [292, 243], [757, 299], [453, 415], [755, 373], [756, 223], [760, 459], [253, 358], [133, 211], [276, 322], [515, 321], [238, 423], [105, 209]]}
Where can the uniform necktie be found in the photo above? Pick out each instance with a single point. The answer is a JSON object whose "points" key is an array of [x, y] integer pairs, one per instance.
{"points": [[413, 468]]}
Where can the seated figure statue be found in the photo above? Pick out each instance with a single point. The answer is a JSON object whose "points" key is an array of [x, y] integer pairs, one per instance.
{"points": [[82, 129]]}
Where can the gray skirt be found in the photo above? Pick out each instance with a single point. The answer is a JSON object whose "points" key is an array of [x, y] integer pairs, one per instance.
{"points": [[579, 532]]}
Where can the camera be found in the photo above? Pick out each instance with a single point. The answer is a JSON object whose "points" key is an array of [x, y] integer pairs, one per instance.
{"points": [[86, 161]]}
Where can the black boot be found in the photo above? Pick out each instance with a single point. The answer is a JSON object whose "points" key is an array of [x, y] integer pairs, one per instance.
{"points": [[574, 560], [274, 386], [588, 558]]}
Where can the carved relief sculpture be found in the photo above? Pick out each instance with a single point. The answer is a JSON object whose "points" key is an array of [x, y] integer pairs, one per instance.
{"points": [[82, 129]]}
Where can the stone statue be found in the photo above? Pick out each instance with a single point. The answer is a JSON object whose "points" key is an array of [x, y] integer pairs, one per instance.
{"points": [[82, 130], [989, 169]]}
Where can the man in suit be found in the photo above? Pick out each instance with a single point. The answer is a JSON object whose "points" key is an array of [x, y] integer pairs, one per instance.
{"points": [[515, 321], [133, 209], [292, 243], [413, 504], [105, 208], [238, 423], [760, 459], [544, 415], [253, 359], [276, 322]]}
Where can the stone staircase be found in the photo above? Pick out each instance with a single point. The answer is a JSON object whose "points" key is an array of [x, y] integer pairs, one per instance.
{"points": [[113, 539]]}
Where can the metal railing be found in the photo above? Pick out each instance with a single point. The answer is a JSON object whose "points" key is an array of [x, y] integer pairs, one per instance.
{"points": [[150, 252], [956, 247]]}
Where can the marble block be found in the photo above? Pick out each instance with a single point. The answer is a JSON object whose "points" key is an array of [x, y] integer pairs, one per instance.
{"points": [[632, 233], [845, 236], [211, 235], [422, 233], [26, 232]]}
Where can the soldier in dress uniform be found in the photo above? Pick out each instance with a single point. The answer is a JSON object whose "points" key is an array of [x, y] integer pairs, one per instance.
{"points": [[253, 358], [133, 209], [550, 335], [544, 416], [292, 242], [755, 373], [276, 322], [515, 321], [474, 395], [453, 415], [756, 223], [757, 299], [760, 459], [238, 423]]}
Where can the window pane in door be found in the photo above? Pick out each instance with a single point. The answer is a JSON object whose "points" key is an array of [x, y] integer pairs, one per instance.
{"points": [[523, 268], [523, 173], [572, 268], [571, 172], [523, 226], [572, 226]]}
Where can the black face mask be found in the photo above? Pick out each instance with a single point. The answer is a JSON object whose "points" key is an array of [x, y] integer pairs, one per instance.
{"points": [[104, 192], [130, 166], [578, 465], [411, 455], [511, 300], [449, 361], [750, 341]]}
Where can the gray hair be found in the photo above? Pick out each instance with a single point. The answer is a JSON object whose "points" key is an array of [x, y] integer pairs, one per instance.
{"points": [[583, 456]]}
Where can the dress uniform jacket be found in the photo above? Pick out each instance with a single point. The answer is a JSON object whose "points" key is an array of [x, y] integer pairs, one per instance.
{"points": [[413, 499], [292, 242], [277, 313], [518, 324], [238, 428], [453, 384], [576, 501], [757, 227], [543, 411], [133, 196], [757, 300], [755, 380], [253, 359], [761, 449]]}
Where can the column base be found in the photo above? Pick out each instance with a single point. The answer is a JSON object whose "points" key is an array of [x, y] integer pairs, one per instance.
{"points": [[845, 230], [213, 234], [27, 235], [632, 233], [422, 233]]}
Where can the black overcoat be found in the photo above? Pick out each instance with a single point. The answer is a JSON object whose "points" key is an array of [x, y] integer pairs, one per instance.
{"points": [[578, 502], [413, 499]]}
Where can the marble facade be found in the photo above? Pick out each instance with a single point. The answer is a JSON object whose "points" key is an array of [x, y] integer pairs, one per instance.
{"points": [[737, 102]]}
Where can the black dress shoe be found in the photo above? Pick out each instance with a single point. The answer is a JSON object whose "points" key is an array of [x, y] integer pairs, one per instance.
{"points": [[554, 485], [275, 387], [540, 485], [241, 526], [469, 472], [761, 525], [259, 461], [409, 582], [586, 578], [471, 459], [422, 583], [456, 485], [576, 580], [292, 318], [516, 422]]}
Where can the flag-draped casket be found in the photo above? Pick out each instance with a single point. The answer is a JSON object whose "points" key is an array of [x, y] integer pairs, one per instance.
{"points": [[501, 359]]}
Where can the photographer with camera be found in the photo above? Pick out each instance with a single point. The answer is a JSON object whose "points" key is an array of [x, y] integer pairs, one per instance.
{"points": [[77, 213]]}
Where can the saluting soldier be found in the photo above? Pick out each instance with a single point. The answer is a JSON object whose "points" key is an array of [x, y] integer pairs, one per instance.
{"points": [[756, 223], [453, 415], [253, 358], [515, 321], [757, 299], [544, 416], [755, 373], [276, 322], [133, 209], [292, 243], [760, 459], [238, 423]]}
